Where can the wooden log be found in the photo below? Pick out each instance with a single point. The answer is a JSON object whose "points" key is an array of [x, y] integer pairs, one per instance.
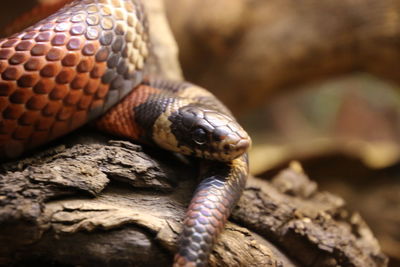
{"points": [[117, 203]]}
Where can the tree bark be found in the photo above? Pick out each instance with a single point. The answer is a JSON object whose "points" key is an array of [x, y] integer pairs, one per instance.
{"points": [[108, 203]]}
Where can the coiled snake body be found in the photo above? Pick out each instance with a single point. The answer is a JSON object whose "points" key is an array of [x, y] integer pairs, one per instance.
{"points": [[80, 62]]}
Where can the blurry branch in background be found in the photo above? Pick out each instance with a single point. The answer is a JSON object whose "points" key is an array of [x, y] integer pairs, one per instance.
{"points": [[247, 50]]}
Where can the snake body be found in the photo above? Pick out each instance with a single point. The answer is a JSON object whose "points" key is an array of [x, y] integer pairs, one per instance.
{"points": [[78, 63]]}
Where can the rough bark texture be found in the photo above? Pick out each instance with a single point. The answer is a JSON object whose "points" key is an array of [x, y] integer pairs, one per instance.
{"points": [[114, 203], [93, 202]]}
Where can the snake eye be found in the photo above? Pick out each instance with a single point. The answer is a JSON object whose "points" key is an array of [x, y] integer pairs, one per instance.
{"points": [[199, 136]]}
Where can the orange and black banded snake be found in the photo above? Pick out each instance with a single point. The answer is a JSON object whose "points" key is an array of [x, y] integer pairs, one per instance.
{"points": [[88, 61]]}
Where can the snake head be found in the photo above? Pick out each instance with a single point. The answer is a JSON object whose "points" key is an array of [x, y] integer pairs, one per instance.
{"points": [[206, 133]]}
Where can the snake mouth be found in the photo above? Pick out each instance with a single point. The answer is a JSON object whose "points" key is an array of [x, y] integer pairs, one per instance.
{"points": [[234, 146]]}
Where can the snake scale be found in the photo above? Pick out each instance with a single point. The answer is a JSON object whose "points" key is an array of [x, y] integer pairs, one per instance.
{"points": [[88, 61]]}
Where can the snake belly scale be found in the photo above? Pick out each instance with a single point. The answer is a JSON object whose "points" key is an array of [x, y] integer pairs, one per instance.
{"points": [[88, 61]]}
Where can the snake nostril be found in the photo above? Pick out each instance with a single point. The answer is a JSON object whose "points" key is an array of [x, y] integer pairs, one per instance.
{"points": [[226, 147]]}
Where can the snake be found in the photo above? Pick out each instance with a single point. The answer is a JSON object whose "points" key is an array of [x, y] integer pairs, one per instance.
{"points": [[88, 62]]}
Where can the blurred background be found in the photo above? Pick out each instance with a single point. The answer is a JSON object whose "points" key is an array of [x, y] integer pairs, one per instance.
{"points": [[314, 81], [311, 80]]}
